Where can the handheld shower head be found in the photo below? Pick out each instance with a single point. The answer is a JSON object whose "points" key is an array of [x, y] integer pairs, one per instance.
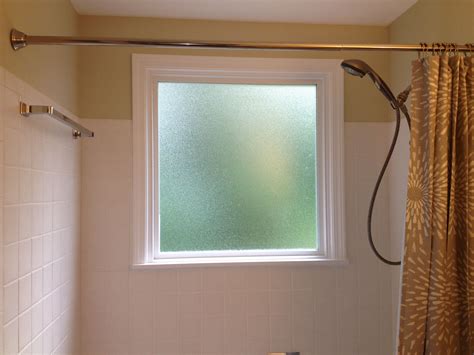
{"points": [[355, 67], [359, 68]]}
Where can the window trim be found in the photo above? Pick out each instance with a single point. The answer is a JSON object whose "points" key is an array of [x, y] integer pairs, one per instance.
{"points": [[148, 69]]}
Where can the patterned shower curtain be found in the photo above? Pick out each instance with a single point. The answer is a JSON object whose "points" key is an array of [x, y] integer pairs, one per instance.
{"points": [[437, 304]]}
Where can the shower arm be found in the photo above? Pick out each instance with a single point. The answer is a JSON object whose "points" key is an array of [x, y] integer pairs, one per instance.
{"points": [[20, 40]]}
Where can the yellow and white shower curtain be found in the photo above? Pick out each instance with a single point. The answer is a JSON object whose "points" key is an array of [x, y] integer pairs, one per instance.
{"points": [[437, 304]]}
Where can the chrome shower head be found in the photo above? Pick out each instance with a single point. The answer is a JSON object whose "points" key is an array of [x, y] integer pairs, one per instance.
{"points": [[359, 68], [355, 67]]}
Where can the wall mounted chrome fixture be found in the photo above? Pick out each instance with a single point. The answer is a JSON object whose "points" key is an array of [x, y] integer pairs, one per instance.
{"points": [[360, 69], [77, 130], [20, 40]]}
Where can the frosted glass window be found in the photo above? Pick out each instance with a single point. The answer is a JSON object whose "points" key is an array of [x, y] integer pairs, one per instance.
{"points": [[237, 167]]}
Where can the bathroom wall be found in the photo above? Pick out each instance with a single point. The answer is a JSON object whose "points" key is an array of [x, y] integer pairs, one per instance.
{"points": [[310, 308], [426, 21], [324, 310], [226, 310], [105, 73], [39, 238], [39, 185], [50, 69]]}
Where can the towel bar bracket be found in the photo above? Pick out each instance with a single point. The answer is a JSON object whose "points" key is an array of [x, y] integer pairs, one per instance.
{"points": [[78, 130]]}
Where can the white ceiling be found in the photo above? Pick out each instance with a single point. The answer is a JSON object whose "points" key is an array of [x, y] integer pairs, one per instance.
{"points": [[363, 12]]}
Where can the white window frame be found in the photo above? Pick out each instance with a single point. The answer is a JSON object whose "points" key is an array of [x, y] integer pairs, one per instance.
{"points": [[326, 74]]}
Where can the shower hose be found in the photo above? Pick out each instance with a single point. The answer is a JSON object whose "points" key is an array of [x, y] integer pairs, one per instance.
{"points": [[401, 98]]}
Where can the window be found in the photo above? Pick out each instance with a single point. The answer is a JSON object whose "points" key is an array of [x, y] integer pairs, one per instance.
{"points": [[237, 160]]}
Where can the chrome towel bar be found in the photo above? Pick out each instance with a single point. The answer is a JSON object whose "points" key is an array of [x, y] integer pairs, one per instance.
{"points": [[77, 130]]}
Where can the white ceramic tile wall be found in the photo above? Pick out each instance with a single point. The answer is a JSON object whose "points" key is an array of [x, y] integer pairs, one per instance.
{"points": [[229, 310], [39, 192]]}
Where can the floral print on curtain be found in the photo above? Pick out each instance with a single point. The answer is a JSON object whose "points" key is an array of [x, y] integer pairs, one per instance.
{"points": [[437, 304]]}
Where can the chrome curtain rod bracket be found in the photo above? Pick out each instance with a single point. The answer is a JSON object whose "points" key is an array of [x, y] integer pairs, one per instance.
{"points": [[77, 130], [20, 40]]}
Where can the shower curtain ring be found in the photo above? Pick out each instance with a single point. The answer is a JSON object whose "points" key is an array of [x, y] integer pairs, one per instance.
{"points": [[469, 49], [425, 49], [446, 48], [422, 51]]}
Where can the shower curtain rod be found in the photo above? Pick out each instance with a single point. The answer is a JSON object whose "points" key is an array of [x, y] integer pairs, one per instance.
{"points": [[20, 40]]}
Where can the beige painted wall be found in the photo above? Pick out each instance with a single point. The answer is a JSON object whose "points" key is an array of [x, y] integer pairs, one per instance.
{"points": [[429, 21], [51, 70], [105, 73], [96, 82]]}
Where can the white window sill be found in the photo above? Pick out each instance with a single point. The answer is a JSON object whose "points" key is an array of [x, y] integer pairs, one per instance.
{"points": [[235, 261]]}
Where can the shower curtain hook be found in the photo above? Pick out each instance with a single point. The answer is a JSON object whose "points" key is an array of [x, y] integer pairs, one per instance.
{"points": [[425, 48]]}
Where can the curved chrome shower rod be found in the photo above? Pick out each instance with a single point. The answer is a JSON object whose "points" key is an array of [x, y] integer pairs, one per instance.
{"points": [[20, 40]]}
